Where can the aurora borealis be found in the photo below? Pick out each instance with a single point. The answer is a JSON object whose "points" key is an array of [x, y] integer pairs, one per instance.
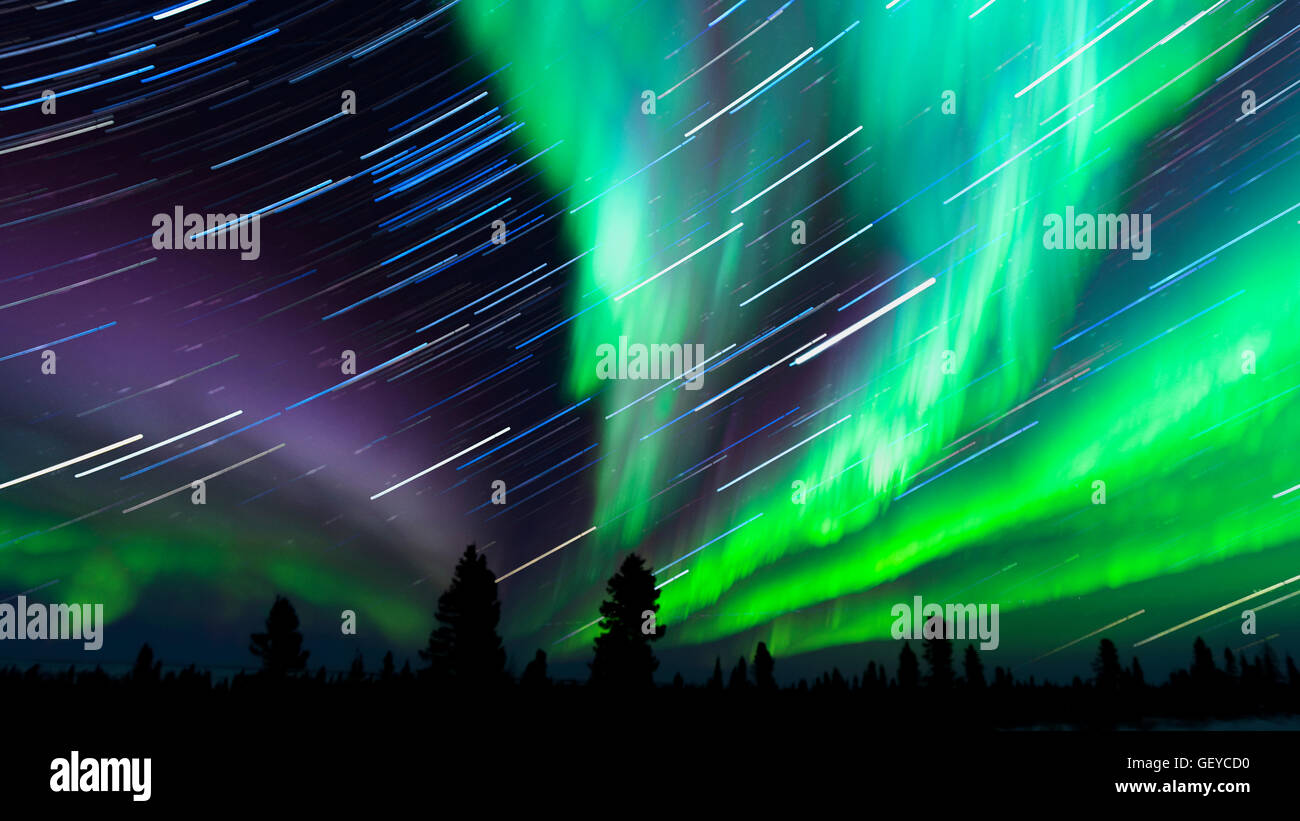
{"points": [[950, 448]]}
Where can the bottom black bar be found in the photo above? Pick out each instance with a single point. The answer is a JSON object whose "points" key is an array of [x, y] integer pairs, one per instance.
{"points": [[650, 753]]}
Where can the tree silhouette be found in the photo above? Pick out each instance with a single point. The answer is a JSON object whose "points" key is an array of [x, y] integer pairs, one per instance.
{"points": [[764, 666], [1229, 664], [1135, 674], [909, 673], [1001, 678], [739, 676], [1203, 671], [146, 670], [464, 650], [534, 675], [623, 656], [715, 680], [357, 672], [1106, 667], [280, 647], [1270, 671], [974, 668], [938, 656]]}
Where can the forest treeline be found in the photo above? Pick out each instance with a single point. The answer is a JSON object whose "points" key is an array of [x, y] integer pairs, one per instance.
{"points": [[465, 655]]}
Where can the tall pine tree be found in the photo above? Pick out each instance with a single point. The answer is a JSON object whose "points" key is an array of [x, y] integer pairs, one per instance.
{"points": [[280, 647], [1204, 673], [739, 676], [937, 650], [465, 650], [763, 668], [974, 668], [624, 658], [909, 672], [1106, 667], [715, 680]]}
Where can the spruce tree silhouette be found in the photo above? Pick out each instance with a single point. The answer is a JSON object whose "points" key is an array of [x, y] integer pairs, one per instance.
{"points": [[280, 647], [909, 673], [937, 650], [1001, 678], [974, 668], [1106, 667], [624, 658], [1204, 673], [875, 677], [357, 672], [715, 680], [1270, 669], [1251, 671], [387, 671], [146, 670], [739, 676], [1136, 675], [764, 666], [464, 650], [534, 675]]}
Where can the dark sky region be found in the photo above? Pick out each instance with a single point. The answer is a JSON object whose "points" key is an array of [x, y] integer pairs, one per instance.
{"points": [[919, 398]]}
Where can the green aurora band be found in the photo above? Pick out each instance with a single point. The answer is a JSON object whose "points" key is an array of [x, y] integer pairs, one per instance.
{"points": [[1180, 495]]}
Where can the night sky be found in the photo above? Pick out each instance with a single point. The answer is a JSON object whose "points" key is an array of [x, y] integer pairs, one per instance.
{"points": [[949, 443]]}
